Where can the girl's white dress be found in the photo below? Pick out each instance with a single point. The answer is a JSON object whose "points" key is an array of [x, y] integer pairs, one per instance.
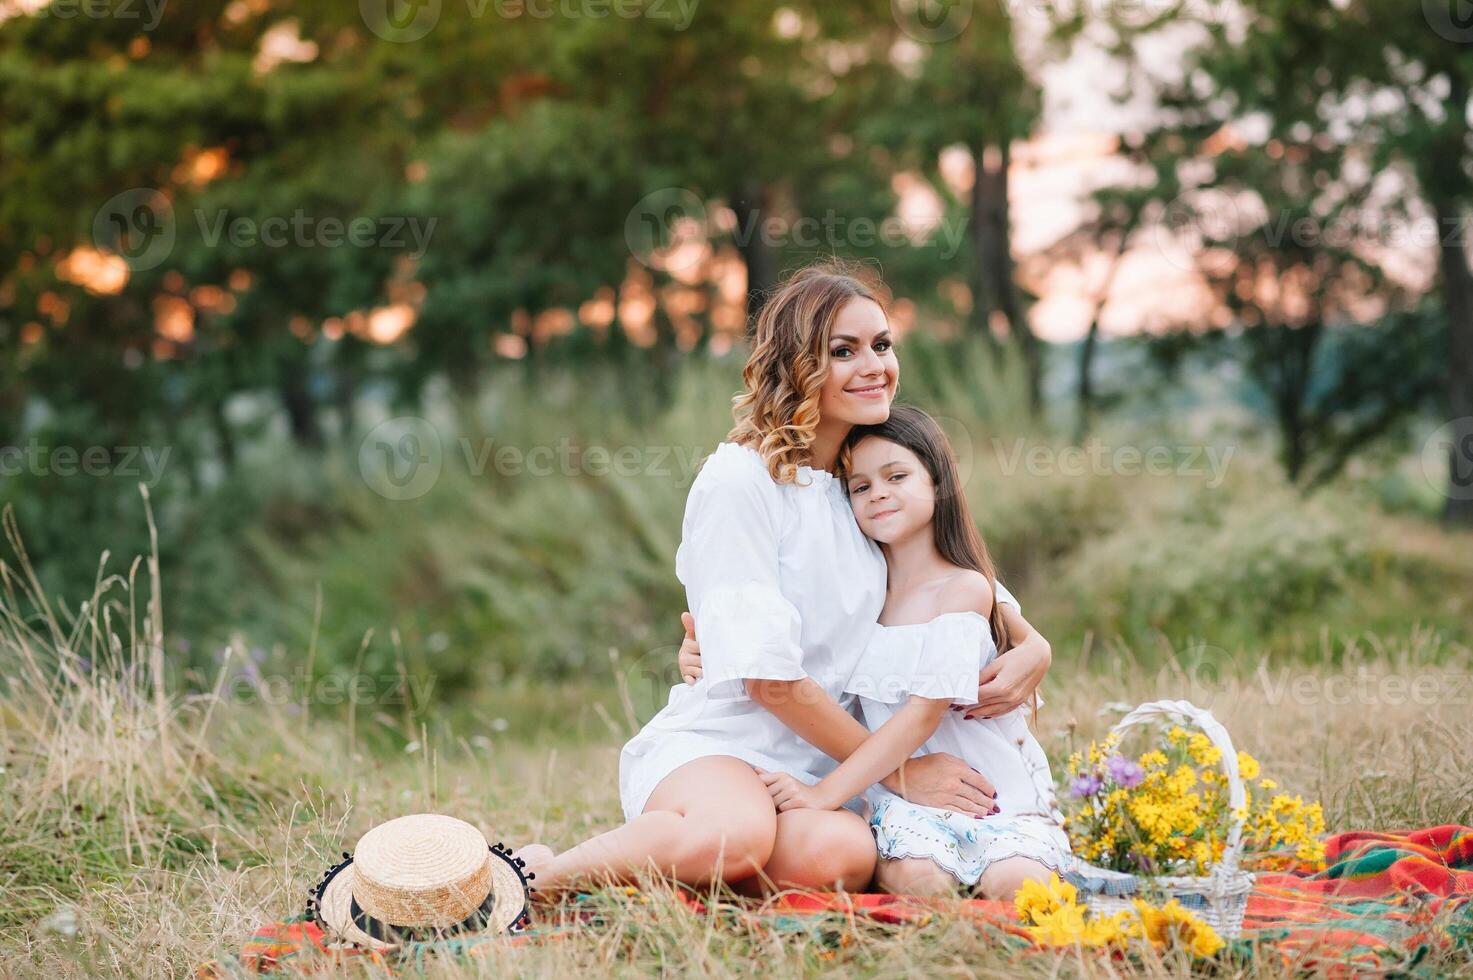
{"points": [[782, 584], [941, 659]]}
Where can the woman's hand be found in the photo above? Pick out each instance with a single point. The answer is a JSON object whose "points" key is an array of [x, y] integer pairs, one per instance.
{"points": [[942, 780], [791, 793], [690, 651], [1011, 678]]}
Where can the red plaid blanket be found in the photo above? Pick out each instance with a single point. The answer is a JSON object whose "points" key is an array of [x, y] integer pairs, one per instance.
{"points": [[1383, 903]]}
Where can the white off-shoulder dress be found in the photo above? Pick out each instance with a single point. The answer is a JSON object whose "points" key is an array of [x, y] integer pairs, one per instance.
{"points": [[782, 585], [941, 659]]}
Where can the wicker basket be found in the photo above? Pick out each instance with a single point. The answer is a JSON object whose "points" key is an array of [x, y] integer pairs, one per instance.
{"points": [[1220, 897]]}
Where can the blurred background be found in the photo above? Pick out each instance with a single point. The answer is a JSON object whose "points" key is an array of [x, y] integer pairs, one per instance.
{"points": [[415, 317]]}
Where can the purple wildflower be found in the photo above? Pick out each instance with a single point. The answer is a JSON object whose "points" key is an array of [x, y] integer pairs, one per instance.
{"points": [[1087, 784], [1124, 772]]}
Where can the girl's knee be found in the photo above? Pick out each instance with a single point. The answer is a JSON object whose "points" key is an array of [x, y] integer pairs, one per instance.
{"points": [[914, 876], [1002, 879]]}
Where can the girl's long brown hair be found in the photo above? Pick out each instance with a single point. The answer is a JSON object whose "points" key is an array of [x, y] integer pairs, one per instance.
{"points": [[956, 534], [777, 414]]}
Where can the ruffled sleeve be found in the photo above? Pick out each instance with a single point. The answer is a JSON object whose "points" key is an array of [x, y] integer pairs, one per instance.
{"points": [[1003, 595], [728, 562], [940, 659]]}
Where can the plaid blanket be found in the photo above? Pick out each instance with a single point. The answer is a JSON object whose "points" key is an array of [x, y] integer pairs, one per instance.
{"points": [[1383, 903]]}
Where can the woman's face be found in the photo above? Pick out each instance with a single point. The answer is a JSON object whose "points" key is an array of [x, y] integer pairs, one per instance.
{"points": [[890, 490], [863, 370]]}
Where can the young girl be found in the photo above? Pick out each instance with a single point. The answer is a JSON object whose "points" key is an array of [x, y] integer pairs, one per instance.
{"points": [[940, 624]]}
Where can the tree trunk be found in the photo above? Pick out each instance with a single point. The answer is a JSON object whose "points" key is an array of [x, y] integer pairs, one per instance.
{"points": [[1091, 339], [1457, 292], [987, 251], [224, 435], [1086, 394], [301, 409], [993, 289], [749, 204]]}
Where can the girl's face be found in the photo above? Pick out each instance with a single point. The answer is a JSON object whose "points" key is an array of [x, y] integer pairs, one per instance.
{"points": [[863, 371], [890, 490]]}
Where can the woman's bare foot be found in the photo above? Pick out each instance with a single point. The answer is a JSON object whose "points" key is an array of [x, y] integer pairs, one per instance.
{"points": [[538, 859]]}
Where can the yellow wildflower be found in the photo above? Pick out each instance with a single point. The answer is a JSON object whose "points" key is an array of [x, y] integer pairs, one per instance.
{"points": [[1173, 924], [1038, 899]]}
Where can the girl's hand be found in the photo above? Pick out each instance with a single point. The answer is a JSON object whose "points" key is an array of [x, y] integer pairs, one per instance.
{"points": [[1011, 679], [690, 651], [790, 793]]}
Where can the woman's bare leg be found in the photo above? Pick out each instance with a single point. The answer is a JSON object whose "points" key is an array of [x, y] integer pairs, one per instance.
{"points": [[915, 876], [712, 817], [818, 850], [1002, 879]]}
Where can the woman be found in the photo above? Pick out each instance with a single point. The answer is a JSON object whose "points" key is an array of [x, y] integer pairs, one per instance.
{"points": [[784, 590]]}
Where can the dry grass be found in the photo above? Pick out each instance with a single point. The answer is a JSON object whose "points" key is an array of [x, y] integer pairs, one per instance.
{"points": [[143, 830]]}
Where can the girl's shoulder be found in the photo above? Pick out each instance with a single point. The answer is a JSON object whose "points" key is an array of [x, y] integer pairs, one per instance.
{"points": [[965, 591]]}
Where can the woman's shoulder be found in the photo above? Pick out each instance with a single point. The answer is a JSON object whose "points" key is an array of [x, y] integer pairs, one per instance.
{"points": [[735, 461], [731, 474]]}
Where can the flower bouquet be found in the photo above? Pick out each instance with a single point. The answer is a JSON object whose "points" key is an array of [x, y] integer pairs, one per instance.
{"points": [[1179, 817]]}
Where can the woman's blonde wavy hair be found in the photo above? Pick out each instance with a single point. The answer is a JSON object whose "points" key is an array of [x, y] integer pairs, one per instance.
{"points": [[778, 413]]}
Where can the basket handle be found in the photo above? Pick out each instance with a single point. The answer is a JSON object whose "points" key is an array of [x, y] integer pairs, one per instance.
{"points": [[1220, 738]]}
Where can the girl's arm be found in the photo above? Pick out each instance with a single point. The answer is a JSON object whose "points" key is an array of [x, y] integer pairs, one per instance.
{"points": [[937, 779], [877, 757]]}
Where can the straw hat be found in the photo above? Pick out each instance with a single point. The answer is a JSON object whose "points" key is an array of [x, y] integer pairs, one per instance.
{"points": [[422, 876]]}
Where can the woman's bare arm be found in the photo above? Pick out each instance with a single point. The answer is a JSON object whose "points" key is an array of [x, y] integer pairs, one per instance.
{"points": [[1014, 675]]}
